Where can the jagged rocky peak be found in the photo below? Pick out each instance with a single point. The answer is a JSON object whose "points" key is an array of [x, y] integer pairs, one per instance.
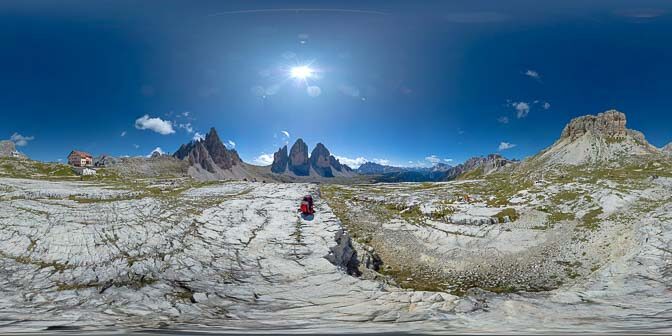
{"points": [[280, 160], [336, 164], [210, 153], [320, 160], [298, 158], [611, 123]]}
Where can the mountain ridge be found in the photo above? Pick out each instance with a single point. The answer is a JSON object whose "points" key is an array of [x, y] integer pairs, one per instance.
{"points": [[320, 162]]}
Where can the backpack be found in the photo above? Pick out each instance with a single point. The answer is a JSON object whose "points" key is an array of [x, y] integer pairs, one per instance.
{"points": [[305, 208]]}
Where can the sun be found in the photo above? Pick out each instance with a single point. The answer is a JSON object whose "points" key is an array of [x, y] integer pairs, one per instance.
{"points": [[302, 72]]}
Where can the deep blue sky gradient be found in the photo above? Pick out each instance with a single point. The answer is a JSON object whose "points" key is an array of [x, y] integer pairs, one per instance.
{"points": [[433, 78]]}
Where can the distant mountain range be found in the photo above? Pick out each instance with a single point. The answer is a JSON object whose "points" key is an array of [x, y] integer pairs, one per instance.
{"points": [[601, 139], [475, 166]]}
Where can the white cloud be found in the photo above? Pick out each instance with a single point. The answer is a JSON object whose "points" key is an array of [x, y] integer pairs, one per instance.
{"points": [[433, 159], [136, 146], [285, 133], [187, 127], [231, 144], [448, 160], [503, 120], [21, 140], [546, 105], [352, 163], [198, 137], [157, 125], [505, 146], [123, 133], [382, 161], [186, 114], [533, 74], [264, 159], [156, 150], [522, 109]]}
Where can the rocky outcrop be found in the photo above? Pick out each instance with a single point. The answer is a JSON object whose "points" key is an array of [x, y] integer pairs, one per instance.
{"points": [[280, 161], [8, 149], [343, 254], [105, 161], [610, 123], [667, 149], [298, 159], [210, 153], [596, 139]]}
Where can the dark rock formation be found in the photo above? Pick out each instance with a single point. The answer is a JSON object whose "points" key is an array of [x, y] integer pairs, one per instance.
{"points": [[280, 161], [298, 159], [320, 161], [335, 164], [105, 161], [209, 153]]}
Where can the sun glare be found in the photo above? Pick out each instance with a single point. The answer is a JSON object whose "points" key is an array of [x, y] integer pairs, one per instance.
{"points": [[301, 72]]}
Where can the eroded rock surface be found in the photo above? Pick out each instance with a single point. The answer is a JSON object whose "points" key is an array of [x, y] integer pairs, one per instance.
{"points": [[232, 255]]}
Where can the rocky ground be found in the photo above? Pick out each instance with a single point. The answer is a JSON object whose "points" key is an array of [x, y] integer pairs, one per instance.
{"points": [[234, 256]]}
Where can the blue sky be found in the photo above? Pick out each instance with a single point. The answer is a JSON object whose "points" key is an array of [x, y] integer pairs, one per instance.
{"points": [[402, 82]]}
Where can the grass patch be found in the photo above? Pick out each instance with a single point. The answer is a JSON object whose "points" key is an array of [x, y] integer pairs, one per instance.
{"points": [[511, 213], [591, 219]]}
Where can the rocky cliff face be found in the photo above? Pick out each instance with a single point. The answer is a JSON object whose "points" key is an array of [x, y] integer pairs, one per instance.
{"points": [[320, 161], [210, 153], [298, 159], [610, 123], [280, 161]]}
